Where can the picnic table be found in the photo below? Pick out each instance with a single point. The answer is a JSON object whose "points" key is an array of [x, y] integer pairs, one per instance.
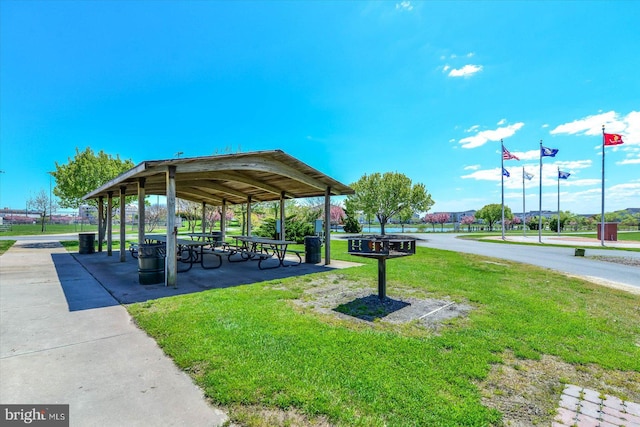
{"points": [[261, 249], [194, 250], [214, 238]]}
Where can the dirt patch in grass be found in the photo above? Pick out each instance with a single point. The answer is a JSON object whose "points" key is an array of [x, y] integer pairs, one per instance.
{"points": [[334, 296], [527, 392], [258, 416]]}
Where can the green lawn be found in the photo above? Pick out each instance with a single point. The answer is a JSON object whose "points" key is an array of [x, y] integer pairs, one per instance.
{"points": [[5, 245], [252, 347]]}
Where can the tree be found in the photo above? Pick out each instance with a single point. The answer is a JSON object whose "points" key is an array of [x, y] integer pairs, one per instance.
{"points": [[41, 203], [468, 220], [493, 213], [153, 215], [84, 173], [442, 219], [385, 196], [430, 219], [351, 224]]}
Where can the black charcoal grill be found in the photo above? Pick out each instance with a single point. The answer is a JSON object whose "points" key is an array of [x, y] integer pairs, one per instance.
{"points": [[382, 248]]}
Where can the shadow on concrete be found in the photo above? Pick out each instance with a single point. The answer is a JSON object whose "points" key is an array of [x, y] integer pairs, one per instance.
{"points": [[370, 308], [120, 279], [80, 288], [40, 245]]}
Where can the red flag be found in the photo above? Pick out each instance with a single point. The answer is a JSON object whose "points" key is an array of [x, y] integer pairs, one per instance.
{"points": [[506, 155], [613, 139]]}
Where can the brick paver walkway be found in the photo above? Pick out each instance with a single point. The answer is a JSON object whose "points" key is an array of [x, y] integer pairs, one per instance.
{"points": [[582, 407]]}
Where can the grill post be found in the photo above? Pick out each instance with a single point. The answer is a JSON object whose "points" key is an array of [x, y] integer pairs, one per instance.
{"points": [[382, 278]]}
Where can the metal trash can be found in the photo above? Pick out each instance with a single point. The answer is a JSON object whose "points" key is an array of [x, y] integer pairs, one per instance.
{"points": [[87, 243], [150, 264], [312, 245]]}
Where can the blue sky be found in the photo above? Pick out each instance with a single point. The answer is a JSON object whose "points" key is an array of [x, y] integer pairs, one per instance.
{"points": [[427, 89]]}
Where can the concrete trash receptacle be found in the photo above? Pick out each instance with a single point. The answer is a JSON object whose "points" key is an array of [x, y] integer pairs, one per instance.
{"points": [[87, 243], [151, 264], [312, 245]]}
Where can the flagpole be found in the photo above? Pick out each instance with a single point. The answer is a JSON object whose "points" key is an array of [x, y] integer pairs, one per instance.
{"points": [[602, 192], [558, 200], [502, 182], [524, 228], [540, 202]]}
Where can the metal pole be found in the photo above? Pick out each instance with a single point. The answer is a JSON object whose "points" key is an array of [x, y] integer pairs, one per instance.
{"points": [[382, 278], [502, 182], [540, 201], [558, 200], [524, 228], [602, 193]]}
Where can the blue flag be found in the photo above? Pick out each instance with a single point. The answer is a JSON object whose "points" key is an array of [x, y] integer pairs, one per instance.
{"points": [[528, 176], [563, 175], [505, 173], [548, 152]]}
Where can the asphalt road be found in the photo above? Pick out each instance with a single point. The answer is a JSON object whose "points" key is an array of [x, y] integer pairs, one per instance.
{"points": [[547, 256]]}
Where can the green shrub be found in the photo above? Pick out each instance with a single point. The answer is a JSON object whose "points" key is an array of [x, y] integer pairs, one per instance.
{"points": [[295, 229]]}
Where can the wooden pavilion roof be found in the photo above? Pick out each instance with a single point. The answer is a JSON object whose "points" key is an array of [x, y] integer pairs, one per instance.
{"points": [[263, 175]]}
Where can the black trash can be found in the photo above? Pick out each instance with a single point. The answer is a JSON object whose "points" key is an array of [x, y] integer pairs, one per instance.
{"points": [[312, 245], [151, 264], [87, 243]]}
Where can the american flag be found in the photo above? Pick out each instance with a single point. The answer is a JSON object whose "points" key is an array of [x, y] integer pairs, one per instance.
{"points": [[506, 155]]}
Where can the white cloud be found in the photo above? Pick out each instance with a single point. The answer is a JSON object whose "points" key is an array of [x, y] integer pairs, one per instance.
{"points": [[471, 54], [473, 128], [629, 162], [527, 155], [574, 164], [446, 68], [483, 137], [466, 71], [628, 126], [404, 6], [546, 125], [501, 122], [472, 168], [484, 175]]}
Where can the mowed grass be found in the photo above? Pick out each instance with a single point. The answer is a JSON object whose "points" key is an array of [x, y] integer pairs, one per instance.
{"points": [[251, 346]]}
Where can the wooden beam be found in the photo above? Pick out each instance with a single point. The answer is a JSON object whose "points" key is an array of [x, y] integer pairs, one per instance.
{"points": [[211, 185], [244, 179], [198, 196]]}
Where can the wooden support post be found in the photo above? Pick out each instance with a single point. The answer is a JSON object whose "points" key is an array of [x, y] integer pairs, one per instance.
{"points": [[327, 226], [123, 223], [223, 220], [249, 216], [204, 217], [100, 223], [282, 230], [141, 209], [110, 223], [171, 276]]}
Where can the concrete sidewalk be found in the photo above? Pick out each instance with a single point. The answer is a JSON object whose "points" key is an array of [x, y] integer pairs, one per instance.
{"points": [[65, 340]]}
